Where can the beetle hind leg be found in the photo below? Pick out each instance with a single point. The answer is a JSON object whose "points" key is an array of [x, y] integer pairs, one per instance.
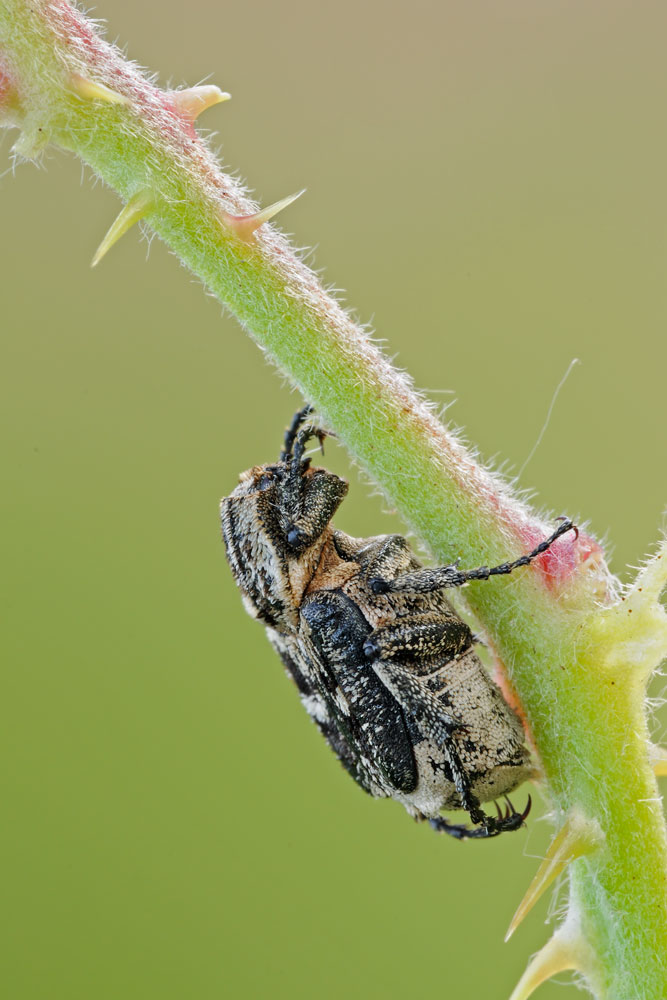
{"points": [[486, 826]]}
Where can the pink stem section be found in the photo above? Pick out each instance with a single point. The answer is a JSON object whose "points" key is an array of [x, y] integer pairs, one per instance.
{"points": [[7, 88]]}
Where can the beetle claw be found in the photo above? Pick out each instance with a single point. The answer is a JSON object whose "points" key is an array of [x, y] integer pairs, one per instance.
{"points": [[508, 819]]}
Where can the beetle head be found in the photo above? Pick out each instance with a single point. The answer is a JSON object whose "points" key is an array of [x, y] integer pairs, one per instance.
{"points": [[274, 525]]}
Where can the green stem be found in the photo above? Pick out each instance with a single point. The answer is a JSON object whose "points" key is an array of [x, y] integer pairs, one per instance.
{"points": [[585, 710]]}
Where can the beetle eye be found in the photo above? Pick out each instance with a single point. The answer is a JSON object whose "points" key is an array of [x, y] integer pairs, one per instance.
{"points": [[295, 538], [265, 482]]}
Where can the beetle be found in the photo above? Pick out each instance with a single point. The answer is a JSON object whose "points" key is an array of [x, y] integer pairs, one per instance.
{"points": [[382, 662]]}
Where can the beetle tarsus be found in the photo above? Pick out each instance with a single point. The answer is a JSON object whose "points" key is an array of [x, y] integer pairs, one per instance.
{"points": [[508, 819]]}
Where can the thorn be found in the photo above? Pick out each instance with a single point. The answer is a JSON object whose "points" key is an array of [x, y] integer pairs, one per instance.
{"points": [[137, 207], [634, 630], [652, 578], [558, 954], [245, 225], [191, 102], [88, 90], [577, 836], [658, 759]]}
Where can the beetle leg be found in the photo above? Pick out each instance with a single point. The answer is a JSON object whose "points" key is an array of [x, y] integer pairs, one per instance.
{"points": [[424, 581], [432, 716], [510, 820], [418, 701], [435, 721], [298, 420], [387, 557], [419, 637]]}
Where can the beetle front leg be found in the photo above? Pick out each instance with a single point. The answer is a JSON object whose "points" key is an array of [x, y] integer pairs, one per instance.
{"points": [[425, 581]]}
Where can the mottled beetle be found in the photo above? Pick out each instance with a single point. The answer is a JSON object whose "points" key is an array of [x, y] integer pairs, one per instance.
{"points": [[383, 664]]}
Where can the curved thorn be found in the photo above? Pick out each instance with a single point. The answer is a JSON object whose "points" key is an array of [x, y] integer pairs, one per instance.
{"points": [[88, 90], [558, 955], [245, 225], [577, 836], [652, 578], [136, 208], [192, 101]]}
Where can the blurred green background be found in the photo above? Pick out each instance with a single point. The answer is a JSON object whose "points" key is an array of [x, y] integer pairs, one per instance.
{"points": [[487, 183]]}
